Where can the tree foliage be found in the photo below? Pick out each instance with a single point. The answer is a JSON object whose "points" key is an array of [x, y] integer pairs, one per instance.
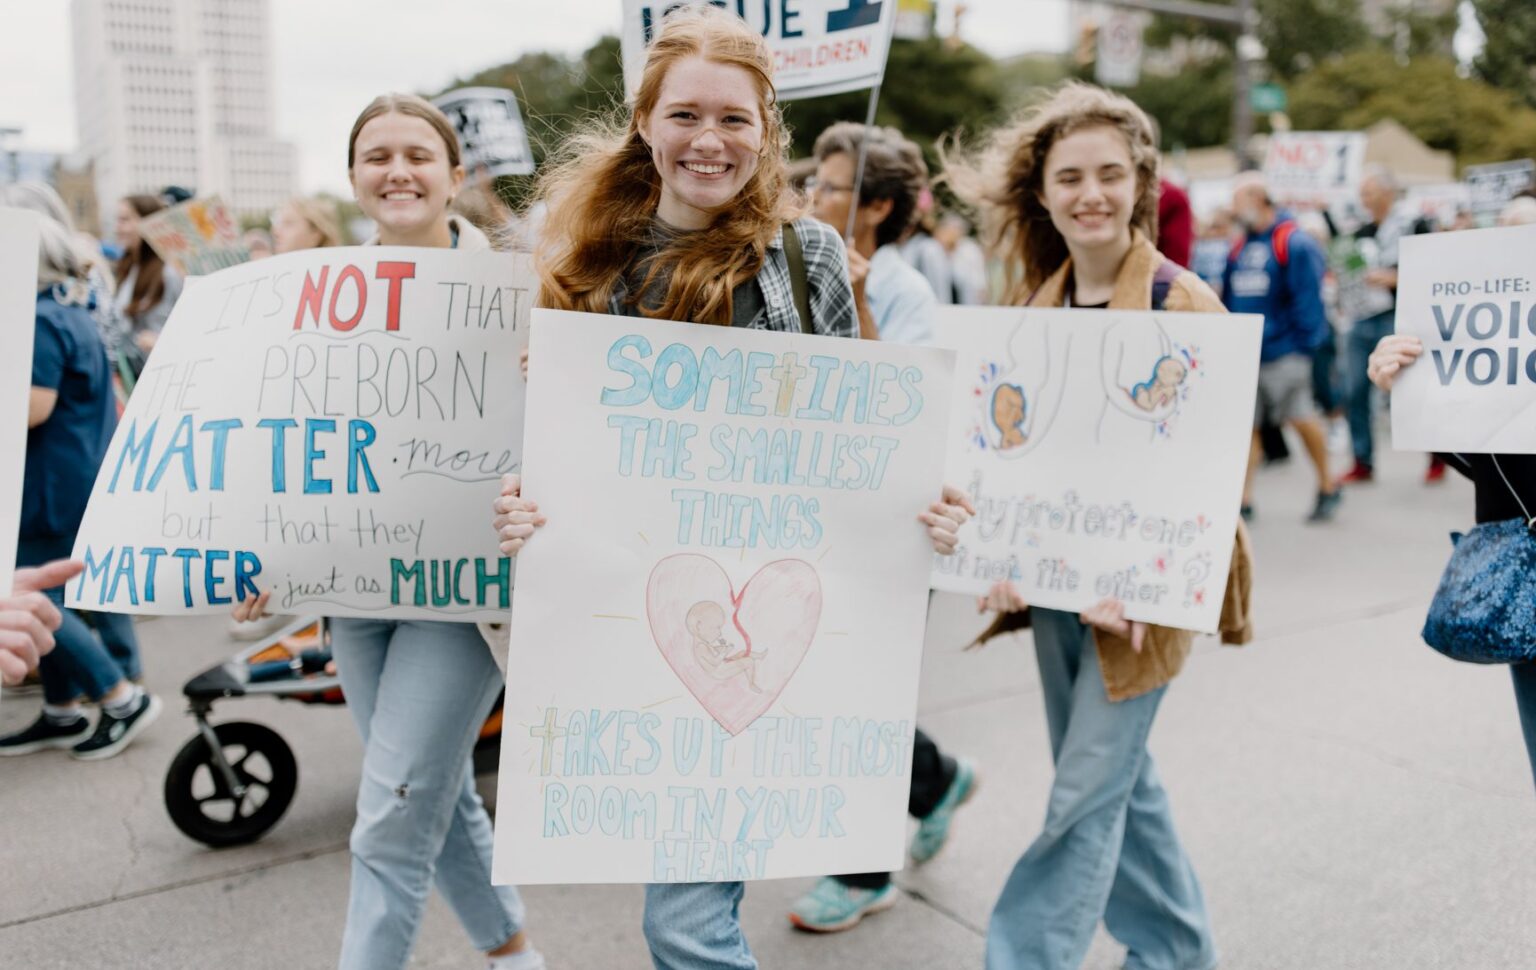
{"points": [[1508, 58], [1473, 120]]}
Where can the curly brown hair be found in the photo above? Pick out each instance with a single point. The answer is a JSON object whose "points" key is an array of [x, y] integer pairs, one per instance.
{"points": [[1004, 180]]}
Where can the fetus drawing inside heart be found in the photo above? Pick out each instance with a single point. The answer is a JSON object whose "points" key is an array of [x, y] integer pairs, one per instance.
{"points": [[734, 651]]}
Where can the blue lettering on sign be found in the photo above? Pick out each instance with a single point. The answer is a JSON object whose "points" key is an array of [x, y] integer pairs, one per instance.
{"points": [[860, 13]]}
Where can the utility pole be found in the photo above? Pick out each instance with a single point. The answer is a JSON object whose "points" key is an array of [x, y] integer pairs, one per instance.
{"points": [[1248, 49]]}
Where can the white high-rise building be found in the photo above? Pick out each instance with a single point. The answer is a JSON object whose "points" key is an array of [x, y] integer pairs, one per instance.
{"points": [[179, 92]]}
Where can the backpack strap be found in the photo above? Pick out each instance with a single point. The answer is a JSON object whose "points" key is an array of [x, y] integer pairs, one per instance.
{"points": [[797, 279], [1280, 242], [1162, 282]]}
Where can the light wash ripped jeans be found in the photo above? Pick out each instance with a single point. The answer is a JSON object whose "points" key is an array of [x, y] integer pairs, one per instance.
{"points": [[419, 692], [1109, 850]]}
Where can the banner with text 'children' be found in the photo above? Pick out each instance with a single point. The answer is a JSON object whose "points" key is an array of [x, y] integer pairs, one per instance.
{"points": [[1105, 452], [18, 321], [718, 633], [331, 426], [1471, 298], [818, 46]]}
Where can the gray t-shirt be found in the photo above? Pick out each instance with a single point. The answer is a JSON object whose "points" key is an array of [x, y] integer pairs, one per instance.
{"points": [[746, 298]]}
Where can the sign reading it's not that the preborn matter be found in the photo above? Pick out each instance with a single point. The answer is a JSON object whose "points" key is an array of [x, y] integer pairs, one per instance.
{"points": [[1471, 298], [718, 634], [328, 425], [1105, 452]]}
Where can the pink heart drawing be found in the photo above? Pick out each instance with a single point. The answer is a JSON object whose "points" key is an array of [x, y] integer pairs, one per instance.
{"points": [[735, 652]]}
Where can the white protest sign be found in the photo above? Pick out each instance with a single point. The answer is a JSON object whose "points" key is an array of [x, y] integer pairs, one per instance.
{"points": [[1118, 60], [717, 635], [1437, 202], [492, 138], [1493, 185], [1105, 451], [18, 315], [819, 46], [1471, 298], [1314, 167], [330, 425]]}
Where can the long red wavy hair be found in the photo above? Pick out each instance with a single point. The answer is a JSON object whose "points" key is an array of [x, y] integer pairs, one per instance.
{"points": [[602, 193]]}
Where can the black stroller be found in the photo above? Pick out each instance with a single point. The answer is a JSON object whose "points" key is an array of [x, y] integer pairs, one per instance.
{"points": [[233, 781]]}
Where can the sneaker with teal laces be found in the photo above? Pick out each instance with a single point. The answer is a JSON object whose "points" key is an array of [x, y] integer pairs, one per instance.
{"points": [[933, 829], [831, 906]]}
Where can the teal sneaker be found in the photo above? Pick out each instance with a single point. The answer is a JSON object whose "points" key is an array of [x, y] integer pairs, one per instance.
{"points": [[831, 906], [933, 830]]}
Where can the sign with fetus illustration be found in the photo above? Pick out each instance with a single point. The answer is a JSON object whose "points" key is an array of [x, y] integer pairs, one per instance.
{"points": [[717, 635], [1105, 452]]}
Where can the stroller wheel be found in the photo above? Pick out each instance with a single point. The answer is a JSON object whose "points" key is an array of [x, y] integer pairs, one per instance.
{"points": [[201, 801]]}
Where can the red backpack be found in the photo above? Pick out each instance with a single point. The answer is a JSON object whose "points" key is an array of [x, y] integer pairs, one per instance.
{"points": [[1280, 242]]}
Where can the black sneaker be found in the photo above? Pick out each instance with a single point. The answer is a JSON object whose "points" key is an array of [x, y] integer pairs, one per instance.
{"points": [[44, 734], [113, 733], [1327, 505]]}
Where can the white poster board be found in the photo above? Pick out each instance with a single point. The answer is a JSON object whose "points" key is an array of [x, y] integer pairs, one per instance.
{"points": [[717, 635], [330, 425], [1471, 298], [1105, 452], [1491, 186], [18, 315], [1118, 60], [1316, 168], [492, 138], [819, 46]]}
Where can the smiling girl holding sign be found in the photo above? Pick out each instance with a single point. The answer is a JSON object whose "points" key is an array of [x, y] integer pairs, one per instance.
{"points": [[418, 690], [686, 215], [1069, 193]]}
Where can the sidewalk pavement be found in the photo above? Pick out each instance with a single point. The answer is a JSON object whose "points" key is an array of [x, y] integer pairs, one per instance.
{"points": [[1350, 799]]}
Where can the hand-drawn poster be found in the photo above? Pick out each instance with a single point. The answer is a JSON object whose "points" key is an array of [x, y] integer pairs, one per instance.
{"points": [[196, 237], [1471, 298], [1105, 452], [819, 46], [330, 425], [18, 313], [717, 635]]}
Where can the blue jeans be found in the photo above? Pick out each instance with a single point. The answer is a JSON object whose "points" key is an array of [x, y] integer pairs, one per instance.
{"points": [[1109, 849], [696, 926], [1525, 700], [419, 692], [1363, 338], [79, 662]]}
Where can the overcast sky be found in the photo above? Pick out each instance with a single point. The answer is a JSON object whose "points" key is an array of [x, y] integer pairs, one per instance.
{"points": [[332, 56]]}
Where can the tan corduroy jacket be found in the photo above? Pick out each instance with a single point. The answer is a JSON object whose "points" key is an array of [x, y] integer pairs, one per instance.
{"points": [[1127, 673]]}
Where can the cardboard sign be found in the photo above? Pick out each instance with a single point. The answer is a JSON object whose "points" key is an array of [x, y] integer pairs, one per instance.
{"points": [[1471, 298], [717, 635], [197, 237], [1105, 452], [1491, 186], [18, 315], [492, 138], [819, 46], [330, 425], [1318, 168]]}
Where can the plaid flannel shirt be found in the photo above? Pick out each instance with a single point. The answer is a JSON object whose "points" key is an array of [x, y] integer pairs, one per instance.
{"points": [[826, 275]]}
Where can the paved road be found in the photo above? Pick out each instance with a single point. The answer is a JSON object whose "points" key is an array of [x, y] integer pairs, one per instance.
{"points": [[1350, 799]]}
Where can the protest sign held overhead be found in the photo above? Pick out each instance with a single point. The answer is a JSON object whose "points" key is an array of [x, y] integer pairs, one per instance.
{"points": [[1471, 298], [819, 46], [492, 137], [329, 425], [1314, 167], [1105, 452], [196, 237], [718, 633], [18, 313], [1491, 186]]}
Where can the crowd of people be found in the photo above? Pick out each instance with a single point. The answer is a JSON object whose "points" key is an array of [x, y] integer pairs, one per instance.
{"points": [[687, 211]]}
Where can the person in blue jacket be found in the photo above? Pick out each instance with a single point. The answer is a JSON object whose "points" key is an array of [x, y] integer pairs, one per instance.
{"points": [[1277, 271]]}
